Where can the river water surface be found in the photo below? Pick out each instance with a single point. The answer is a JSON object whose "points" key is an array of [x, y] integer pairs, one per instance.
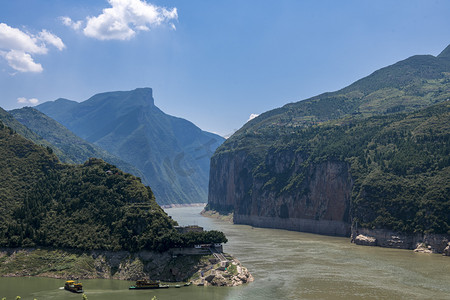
{"points": [[285, 264]]}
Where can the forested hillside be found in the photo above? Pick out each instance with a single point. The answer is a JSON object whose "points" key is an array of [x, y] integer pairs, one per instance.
{"points": [[90, 206]]}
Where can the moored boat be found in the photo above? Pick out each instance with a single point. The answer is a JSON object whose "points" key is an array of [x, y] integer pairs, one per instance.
{"points": [[146, 284]]}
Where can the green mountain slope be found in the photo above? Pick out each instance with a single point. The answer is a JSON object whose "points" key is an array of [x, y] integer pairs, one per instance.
{"points": [[74, 148], [375, 153], [89, 206], [411, 84], [8, 120], [171, 152]]}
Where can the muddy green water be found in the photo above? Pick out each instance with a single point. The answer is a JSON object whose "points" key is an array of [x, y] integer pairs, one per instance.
{"points": [[285, 264]]}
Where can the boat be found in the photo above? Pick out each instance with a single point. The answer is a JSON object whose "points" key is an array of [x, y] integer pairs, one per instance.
{"points": [[72, 286], [147, 284]]}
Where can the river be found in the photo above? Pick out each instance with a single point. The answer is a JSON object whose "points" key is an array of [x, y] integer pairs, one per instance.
{"points": [[285, 264]]}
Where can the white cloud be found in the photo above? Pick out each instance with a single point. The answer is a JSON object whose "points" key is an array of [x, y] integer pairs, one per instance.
{"points": [[68, 22], [24, 100], [252, 116], [123, 19], [52, 39], [13, 38], [17, 47], [22, 62]]}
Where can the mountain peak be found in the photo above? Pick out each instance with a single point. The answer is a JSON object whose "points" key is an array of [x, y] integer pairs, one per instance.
{"points": [[445, 53], [136, 97], [145, 93], [144, 90], [64, 100]]}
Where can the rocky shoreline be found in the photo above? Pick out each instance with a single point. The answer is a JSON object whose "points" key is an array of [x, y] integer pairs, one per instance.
{"points": [[422, 243], [201, 270]]}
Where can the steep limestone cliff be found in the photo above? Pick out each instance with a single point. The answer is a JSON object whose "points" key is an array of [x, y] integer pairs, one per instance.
{"points": [[319, 202]]}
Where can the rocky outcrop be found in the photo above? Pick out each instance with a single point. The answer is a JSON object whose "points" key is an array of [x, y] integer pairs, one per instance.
{"points": [[423, 248], [223, 273], [423, 243], [313, 198], [200, 269], [365, 240], [446, 251]]}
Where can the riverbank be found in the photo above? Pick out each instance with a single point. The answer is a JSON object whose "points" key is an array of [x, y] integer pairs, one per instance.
{"points": [[123, 265], [216, 215], [183, 205], [422, 243]]}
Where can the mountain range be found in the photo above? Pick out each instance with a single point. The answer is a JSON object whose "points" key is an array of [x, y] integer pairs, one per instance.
{"points": [[171, 154]]}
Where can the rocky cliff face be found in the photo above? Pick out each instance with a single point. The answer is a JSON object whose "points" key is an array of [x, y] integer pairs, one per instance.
{"points": [[317, 201]]}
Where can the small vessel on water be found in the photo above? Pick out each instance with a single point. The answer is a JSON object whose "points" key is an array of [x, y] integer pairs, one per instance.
{"points": [[147, 284], [72, 286]]}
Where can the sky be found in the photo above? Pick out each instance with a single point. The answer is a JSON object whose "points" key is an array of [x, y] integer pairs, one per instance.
{"points": [[215, 63]]}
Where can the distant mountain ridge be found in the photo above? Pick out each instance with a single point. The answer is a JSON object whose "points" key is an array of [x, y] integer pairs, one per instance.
{"points": [[67, 146], [172, 153], [407, 85], [8, 119]]}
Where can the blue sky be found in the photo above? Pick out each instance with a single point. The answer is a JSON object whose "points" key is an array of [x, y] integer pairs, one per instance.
{"points": [[212, 62]]}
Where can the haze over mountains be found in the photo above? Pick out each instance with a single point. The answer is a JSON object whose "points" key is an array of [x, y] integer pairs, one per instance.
{"points": [[69, 147], [172, 153]]}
